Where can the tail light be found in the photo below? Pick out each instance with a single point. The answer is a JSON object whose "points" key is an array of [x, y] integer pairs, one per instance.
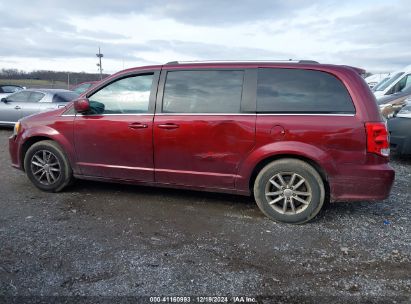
{"points": [[377, 138]]}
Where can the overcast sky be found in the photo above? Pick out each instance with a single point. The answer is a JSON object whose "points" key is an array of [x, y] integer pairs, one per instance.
{"points": [[64, 35]]}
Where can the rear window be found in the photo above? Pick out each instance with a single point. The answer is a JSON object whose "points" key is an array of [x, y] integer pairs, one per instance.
{"points": [[62, 97], [301, 91], [36, 96]]}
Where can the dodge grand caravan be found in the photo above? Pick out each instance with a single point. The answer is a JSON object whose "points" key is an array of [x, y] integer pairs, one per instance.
{"points": [[293, 135]]}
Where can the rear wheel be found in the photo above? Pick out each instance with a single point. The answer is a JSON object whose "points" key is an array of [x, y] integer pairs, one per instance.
{"points": [[47, 166], [289, 191]]}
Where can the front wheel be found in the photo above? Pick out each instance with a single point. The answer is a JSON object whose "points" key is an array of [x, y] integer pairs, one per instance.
{"points": [[289, 191], [47, 166]]}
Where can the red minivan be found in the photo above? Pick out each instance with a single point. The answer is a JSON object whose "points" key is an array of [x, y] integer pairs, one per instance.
{"points": [[292, 134]]}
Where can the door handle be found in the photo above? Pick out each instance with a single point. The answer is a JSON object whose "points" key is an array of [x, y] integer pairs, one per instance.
{"points": [[168, 126], [17, 107], [137, 125]]}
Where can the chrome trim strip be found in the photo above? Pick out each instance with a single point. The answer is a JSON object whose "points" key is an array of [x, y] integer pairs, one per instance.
{"points": [[212, 174], [131, 114], [204, 114], [218, 114], [145, 114], [252, 114], [303, 114], [113, 166], [8, 122]]}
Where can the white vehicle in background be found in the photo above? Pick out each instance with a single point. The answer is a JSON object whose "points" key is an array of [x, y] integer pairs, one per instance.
{"points": [[396, 83], [375, 79]]}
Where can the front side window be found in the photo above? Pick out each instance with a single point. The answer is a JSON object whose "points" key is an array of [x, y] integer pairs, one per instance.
{"points": [[404, 83], [129, 95], [390, 81], [19, 97], [203, 92], [301, 91], [401, 85]]}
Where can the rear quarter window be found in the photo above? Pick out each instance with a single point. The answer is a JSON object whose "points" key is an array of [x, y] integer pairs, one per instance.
{"points": [[301, 91]]}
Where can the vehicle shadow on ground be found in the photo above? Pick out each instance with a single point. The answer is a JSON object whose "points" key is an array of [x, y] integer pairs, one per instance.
{"points": [[185, 194], [331, 211]]}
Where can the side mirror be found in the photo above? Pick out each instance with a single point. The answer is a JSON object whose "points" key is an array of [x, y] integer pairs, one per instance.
{"points": [[82, 105], [4, 100]]}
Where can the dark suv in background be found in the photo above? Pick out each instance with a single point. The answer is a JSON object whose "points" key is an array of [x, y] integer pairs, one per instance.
{"points": [[291, 134]]}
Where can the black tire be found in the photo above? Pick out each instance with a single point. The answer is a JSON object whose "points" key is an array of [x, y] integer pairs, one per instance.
{"points": [[272, 205], [51, 180]]}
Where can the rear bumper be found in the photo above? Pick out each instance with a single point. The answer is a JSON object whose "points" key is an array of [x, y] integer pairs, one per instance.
{"points": [[362, 183]]}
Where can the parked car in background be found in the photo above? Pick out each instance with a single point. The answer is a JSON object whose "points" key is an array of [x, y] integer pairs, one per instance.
{"points": [[374, 79], [400, 130], [7, 89], [26, 102], [391, 104], [293, 134], [397, 82], [84, 86]]}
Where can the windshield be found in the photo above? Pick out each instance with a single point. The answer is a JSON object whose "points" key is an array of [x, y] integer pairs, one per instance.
{"points": [[386, 84], [82, 88], [65, 96], [381, 83]]}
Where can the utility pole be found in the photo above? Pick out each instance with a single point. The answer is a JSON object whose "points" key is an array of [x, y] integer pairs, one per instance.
{"points": [[68, 80], [99, 55]]}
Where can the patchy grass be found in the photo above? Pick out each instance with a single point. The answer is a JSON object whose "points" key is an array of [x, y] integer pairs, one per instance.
{"points": [[34, 82]]}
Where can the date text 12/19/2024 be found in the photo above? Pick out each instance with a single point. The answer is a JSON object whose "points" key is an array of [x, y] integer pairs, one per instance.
{"points": [[203, 299]]}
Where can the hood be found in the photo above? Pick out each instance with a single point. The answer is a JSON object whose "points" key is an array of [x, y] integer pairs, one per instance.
{"points": [[46, 114], [393, 97]]}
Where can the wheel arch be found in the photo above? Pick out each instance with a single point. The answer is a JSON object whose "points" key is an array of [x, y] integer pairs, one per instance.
{"points": [[27, 144], [262, 163], [36, 135]]}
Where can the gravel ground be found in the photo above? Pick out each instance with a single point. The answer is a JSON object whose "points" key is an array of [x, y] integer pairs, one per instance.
{"points": [[99, 239]]}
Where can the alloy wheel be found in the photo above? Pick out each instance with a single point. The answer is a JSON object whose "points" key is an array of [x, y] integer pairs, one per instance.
{"points": [[288, 193], [45, 167]]}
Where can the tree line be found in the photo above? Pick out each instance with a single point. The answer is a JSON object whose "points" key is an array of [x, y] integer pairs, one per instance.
{"points": [[75, 77]]}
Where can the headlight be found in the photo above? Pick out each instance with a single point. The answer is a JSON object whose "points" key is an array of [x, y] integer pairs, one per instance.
{"points": [[17, 128]]}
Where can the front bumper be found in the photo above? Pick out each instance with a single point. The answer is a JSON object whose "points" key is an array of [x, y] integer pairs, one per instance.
{"points": [[14, 150]]}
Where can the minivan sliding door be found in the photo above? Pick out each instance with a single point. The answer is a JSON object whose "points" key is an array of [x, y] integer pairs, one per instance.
{"points": [[201, 131]]}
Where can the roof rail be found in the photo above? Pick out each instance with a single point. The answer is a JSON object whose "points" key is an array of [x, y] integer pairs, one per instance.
{"points": [[307, 61], [241, 61]]}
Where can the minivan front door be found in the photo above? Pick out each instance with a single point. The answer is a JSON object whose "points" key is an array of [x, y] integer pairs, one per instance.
{"points": [[201, 134], [114, 140]]}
